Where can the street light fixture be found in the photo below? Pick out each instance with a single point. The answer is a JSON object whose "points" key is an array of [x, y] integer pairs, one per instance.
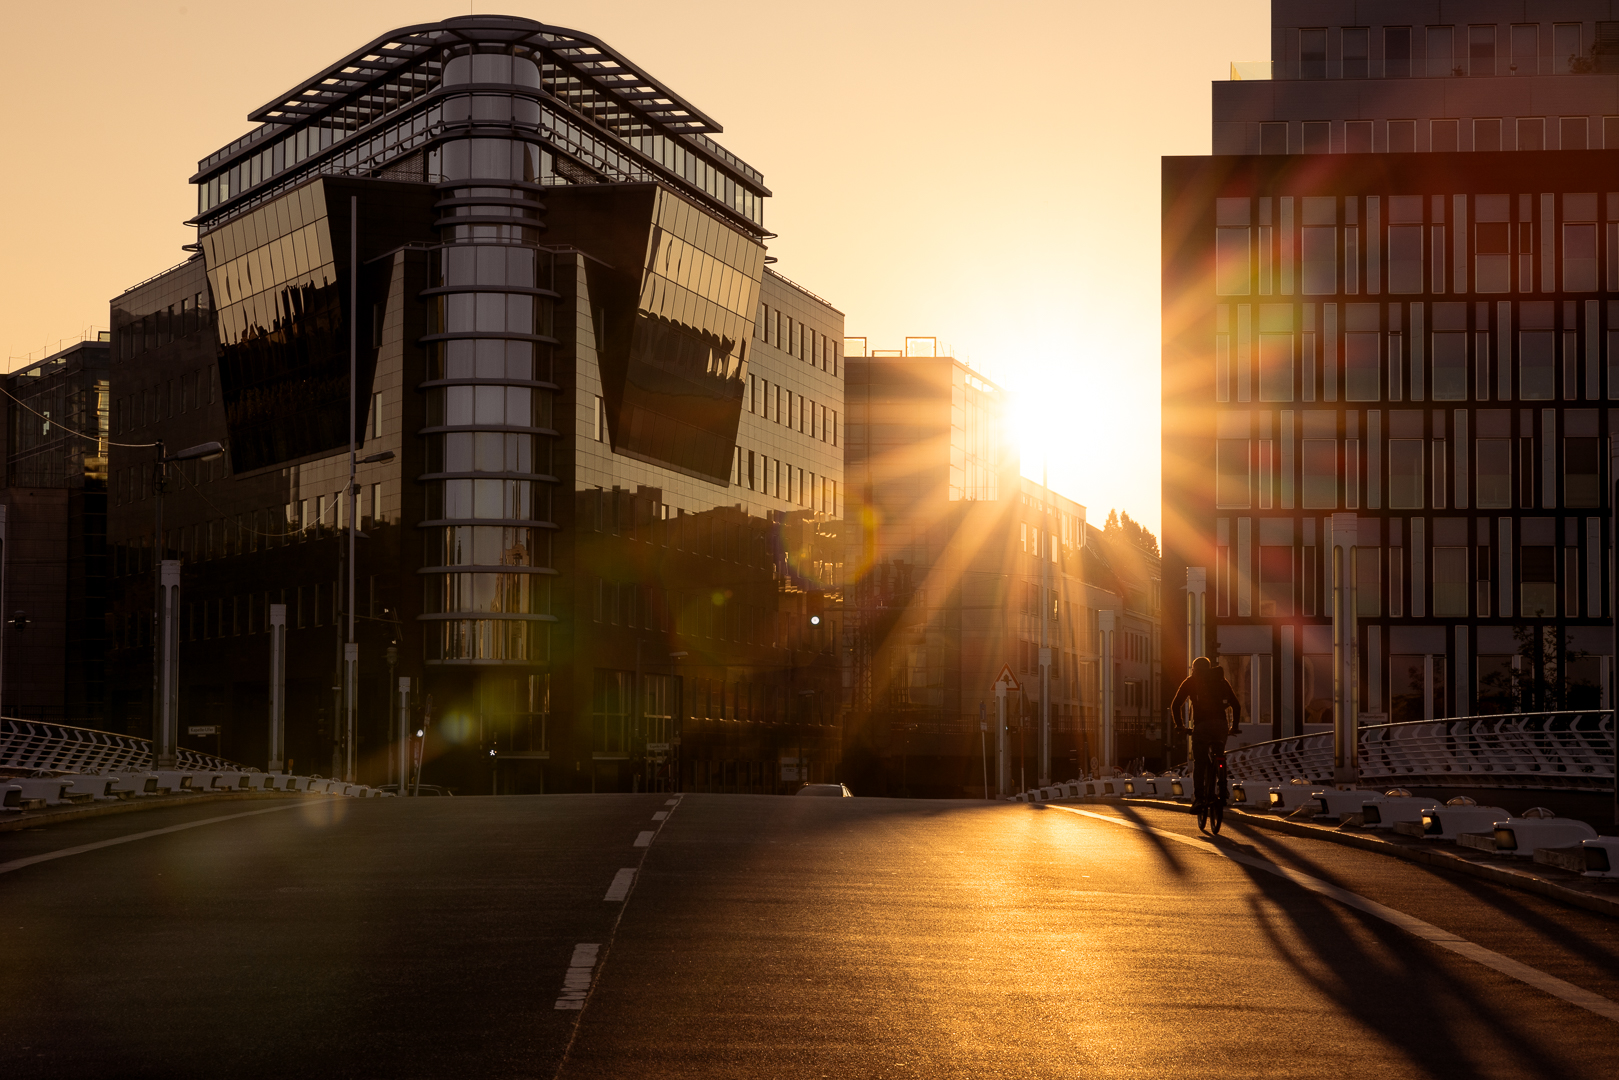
{"points": [[166, 610]]}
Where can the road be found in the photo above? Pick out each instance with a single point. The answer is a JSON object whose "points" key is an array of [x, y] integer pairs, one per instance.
{"points": [[765, 937]]}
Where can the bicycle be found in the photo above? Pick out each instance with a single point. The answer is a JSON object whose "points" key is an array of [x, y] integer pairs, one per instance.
{"points": [[1213, 811]]}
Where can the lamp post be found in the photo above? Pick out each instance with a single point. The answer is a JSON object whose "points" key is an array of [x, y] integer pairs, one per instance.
{"points": [[351, 649], [165, 609]]}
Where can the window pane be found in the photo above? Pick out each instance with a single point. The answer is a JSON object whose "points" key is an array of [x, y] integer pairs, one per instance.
{"points": [[1397, 52], [1579, 258], [1440, 59], [1320, 461], [1362, 378], [1275, 580], [1450, 582], [1231, 491], [1581, 473], [1405, 474], [1537, 356], [1494, 474], [1405, 259], [1231, 262], [1449, 367], [1275, 367], [1320, 260]]}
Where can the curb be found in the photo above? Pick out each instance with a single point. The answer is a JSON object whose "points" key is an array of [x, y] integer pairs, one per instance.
{"points": [[1443, 860], [30, 819]]}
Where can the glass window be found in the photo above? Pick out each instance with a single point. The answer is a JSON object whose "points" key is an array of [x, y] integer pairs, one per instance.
{"points": [[1355, 53], [1539, 574], [1494, 474], [1231, 276], [1275, 367], [1531, 133], [1487, 135], [1405, 474], [1396, 52], [1442, 136], [1450, 366], [1405, 259], [1579, 257], [1537, 358], [1441, 56], [1481, 50], [1231, 482], [1582, 480], [1312, 54], [1567, 56], [1525, 49], [1402, 136], [1369, 581], [1450, 582], [1320, 251], [1275, 580], [1362, 374], [1493, 258], [1320, 462]]}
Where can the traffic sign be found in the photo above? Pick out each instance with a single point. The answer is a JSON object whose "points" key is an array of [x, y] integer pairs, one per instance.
{"points": [[203, 729], [1006, 677], [657, 747]]}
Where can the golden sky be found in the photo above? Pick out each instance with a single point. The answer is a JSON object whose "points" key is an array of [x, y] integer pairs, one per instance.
{"points": [[984, 173]]}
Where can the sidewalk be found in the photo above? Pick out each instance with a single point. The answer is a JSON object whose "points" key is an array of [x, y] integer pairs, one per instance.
{"points": [[34, 819], [1593, 894]]}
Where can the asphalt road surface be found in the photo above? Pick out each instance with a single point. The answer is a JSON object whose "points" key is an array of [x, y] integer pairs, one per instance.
{"points": [[752, 936]]}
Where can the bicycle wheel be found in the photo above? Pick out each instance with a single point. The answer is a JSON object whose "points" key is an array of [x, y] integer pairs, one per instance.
{"points": [[1202, 815], [1217, 816]]}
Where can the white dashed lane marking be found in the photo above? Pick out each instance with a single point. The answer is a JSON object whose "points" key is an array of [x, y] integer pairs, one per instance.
{"points": [[1507, 966], [660, 815], [620, 888], [644, 840], [576, 983]]}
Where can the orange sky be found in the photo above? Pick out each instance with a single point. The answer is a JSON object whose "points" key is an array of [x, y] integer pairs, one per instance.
{"points": [[984, 173]]}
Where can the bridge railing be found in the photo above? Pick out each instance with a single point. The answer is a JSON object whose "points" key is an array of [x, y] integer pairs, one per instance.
{"points": [[1520, 750], [39, 744]]}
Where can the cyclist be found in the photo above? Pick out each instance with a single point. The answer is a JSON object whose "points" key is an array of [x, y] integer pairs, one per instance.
{"points": [[1210, 694]]}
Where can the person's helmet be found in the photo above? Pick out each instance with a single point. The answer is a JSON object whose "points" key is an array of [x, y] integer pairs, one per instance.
{"points": [[1201, 665]]}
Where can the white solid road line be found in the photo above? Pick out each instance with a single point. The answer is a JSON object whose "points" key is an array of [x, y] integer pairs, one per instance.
{"points": [[62, 853], [643, 840], [620, 888], [576, 983], [1570, 993]]}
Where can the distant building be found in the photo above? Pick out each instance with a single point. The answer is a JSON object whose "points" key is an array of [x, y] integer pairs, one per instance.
{"points": [[1391, 297], [609, 515], [54, 603], [945, 587]]}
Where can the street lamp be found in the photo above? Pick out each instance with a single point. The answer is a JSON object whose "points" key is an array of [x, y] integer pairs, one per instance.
{"points": [[166, 610], [351, 649]]}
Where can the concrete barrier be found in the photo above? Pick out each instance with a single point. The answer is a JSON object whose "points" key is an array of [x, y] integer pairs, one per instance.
{"points": [[97, 787], [1601, 857], [1388, 809], [1456, 817], [1293, 795], [136, 784], [1523, 836]]}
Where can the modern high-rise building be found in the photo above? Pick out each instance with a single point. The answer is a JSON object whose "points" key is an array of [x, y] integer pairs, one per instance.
{"points": [[1391, 316], [600, 439], [53, 576]]}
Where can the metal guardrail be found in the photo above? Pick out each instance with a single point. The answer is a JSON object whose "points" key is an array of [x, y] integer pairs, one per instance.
{"points": [[1548, 750], [38, 744]]}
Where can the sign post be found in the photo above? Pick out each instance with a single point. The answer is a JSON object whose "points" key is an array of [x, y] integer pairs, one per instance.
{"points": [[1004, 682], [983, 745]]}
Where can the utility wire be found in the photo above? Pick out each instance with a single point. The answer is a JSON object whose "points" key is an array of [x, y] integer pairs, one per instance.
{"points": [[88, 438]]}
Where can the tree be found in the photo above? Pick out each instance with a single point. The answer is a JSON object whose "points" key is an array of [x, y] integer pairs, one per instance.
{"points": [[1545, 679], [1121, 527]]}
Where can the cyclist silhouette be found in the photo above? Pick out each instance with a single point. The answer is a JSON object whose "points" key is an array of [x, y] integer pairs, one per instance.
{"points": [[1210, 694]]}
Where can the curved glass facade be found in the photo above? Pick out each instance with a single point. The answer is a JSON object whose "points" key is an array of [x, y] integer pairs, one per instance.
{"points": [[488, 386]]}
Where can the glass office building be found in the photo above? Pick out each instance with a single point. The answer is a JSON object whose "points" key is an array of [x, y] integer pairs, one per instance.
{"points": [[1392, 294], [615, 432]]}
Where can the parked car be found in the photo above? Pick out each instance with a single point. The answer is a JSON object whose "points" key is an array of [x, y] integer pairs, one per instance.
{"points": [[423, 790], [834, 791]]}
